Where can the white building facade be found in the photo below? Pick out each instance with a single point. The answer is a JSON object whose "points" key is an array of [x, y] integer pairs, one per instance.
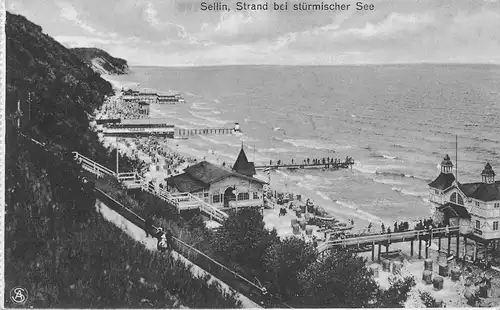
{"points": [[220, 186], [475, 207]]}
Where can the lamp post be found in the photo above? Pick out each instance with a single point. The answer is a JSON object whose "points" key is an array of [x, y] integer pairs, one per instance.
{"points": [[117, 157], [235, 198]]}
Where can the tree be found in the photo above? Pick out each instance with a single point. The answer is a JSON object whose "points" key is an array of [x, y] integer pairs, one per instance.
{"points": [[429, 301], [342, 280], [397, 294], [243, 238], [283, 261]]}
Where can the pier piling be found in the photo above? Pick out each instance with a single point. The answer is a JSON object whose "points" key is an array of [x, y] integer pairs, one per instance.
{"points": [[411, 248], [419, 248], [486, 251], [458, 244], [379, 250], [426, 248], [449, 244], [373, 251]]}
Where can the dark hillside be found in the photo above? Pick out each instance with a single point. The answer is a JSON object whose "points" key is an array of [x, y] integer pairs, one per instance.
{"points": [[61, 87], [101, 61], [56, 245]]}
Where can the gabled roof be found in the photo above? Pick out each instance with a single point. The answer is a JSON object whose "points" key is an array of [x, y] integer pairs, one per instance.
{"points": [[207, 172], [453, 210], [201, 175], [443, 181], [185, 183], [242, 165], [468, 188], [482, 191]]}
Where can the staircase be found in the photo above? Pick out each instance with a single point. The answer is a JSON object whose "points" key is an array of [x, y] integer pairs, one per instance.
{"points": [[182, 201], [91, 166]]}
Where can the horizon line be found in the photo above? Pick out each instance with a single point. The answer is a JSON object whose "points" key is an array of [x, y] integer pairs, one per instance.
{"points": [[320, 65]]}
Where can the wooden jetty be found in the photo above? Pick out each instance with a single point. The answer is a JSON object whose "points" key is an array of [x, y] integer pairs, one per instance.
{"points": [[366, 243], [184, 133], [346, 164]]}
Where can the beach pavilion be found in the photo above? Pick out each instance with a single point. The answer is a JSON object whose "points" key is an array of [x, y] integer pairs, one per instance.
{"points": [[474, 207], [220, 186]]}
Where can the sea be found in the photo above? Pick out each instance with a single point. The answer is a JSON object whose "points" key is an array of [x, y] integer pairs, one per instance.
{"points": [[396, 121]]}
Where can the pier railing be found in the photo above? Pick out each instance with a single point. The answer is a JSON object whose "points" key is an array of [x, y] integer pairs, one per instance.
{"points": [[331, 165], [392, 237], [184, 132], [127, 176], [189, 201]]}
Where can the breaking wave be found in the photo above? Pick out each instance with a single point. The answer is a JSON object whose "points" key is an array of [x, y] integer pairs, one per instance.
{"points": [[409, 193], [314, 144], [210, 119]]}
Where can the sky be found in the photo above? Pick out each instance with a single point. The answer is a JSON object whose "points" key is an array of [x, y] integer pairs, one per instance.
{"points": [[168, 33]]}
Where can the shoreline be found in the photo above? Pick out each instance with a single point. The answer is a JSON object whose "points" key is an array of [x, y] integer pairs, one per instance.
{"points": [[341, 211]]}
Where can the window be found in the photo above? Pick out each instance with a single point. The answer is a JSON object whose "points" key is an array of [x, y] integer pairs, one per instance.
{"points": [[476, 203], [456, 198], [497, 204], [478, 224], [255, 195], [243, 196], [495, 225], [206, 195], [216, 198]]}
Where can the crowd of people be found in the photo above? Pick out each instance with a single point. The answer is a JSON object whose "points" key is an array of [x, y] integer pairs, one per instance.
{"points": [[161, 155], [405, 226], [114, 108]]}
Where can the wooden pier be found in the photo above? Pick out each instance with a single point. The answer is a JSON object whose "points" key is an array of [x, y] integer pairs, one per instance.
{"points": [[180, 132], [369, 242], [337, 164], [185, 133]]}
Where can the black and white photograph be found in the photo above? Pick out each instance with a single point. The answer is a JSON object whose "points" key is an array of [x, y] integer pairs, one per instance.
{"points": [[250, 154]]}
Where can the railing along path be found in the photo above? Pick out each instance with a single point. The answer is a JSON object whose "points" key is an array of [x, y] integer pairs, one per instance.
{"points": [[182, 201]]}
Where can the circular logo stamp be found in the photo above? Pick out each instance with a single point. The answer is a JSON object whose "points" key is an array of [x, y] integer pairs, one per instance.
{"points": [[19, 295]]}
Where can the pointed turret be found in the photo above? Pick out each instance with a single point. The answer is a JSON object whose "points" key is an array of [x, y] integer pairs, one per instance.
{"points": [[446, 178], [446, 165], [488, 175], [242, 165]]}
